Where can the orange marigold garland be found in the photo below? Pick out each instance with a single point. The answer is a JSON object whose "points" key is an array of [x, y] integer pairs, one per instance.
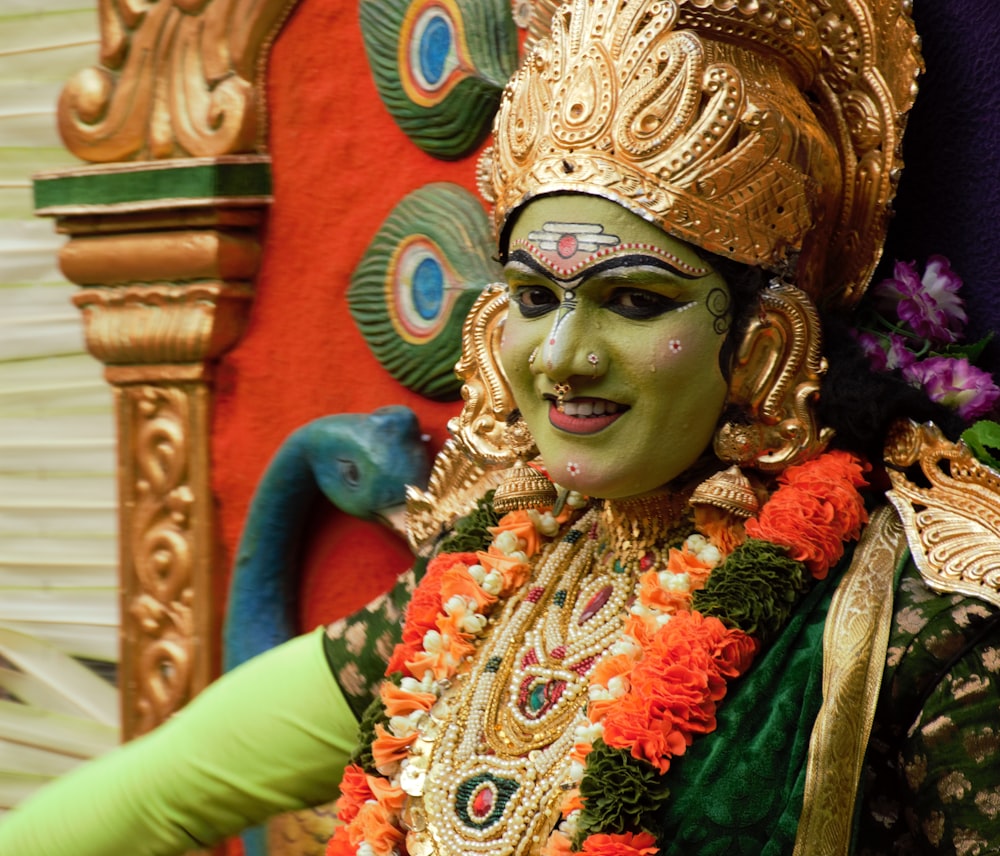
{"points": [[816, 508], [652, 693]]}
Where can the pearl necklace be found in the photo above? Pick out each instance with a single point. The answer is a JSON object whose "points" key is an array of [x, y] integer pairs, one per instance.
{"points": [[493, 753]]}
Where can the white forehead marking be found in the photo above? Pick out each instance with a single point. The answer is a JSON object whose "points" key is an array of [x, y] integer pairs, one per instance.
{"points": [[567, 239]]}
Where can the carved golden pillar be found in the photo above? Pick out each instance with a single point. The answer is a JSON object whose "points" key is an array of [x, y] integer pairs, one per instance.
{"points": [[164, 240], [164, 294]]}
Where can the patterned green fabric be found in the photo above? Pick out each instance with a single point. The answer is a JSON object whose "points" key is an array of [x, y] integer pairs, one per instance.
{"points": [[359, 646], [933, 777]]}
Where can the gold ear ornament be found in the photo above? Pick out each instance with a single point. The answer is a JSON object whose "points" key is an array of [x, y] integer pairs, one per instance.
{"points": [[730, 491], [491, 446], [774, 382], [481, 427]]}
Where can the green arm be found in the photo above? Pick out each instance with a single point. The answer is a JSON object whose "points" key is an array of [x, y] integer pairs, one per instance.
{"points": [[271, 736]]}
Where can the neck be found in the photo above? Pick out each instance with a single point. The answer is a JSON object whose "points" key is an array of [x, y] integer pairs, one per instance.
{"points": [[636, 525]]}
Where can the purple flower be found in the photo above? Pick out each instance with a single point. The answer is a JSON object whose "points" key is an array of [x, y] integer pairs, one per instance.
{"points": [[872, 347], [955, 383], [885, 353], [930, 306], [899, 356]]}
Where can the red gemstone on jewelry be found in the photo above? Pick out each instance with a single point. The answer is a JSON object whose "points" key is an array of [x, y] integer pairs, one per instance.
{"points": [[534, 594], [646, 562], [482, 802], [595, 603], [558, 652]]}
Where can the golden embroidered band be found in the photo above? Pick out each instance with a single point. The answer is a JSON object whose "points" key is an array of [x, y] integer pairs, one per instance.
{"points": [[854, 642]]}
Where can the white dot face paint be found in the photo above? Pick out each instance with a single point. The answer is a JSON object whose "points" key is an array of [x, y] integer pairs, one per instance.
{"points": [[634, 321]]}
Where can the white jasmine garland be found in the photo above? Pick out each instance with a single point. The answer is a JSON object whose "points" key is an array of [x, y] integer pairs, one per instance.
{"points": [[507, 543], [703, 549], [426, 684], [626, 645], [545, 523], [670, 581]]}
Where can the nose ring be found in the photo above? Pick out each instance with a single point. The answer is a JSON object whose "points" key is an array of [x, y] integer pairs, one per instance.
{"points": [[561, 390]]}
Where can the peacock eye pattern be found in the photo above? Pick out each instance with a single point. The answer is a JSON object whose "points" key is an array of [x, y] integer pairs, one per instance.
{"points": [[416, 283], [440, 67]]}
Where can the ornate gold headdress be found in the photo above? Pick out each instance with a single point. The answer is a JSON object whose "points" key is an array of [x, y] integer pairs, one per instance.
{"points": [[755, 129]]}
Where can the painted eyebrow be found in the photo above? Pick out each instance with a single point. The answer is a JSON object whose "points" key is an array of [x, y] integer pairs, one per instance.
{"points": [[525, 259]]}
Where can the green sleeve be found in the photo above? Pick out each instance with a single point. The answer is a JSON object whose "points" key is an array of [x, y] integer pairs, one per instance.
{"points": [[271, 736]]}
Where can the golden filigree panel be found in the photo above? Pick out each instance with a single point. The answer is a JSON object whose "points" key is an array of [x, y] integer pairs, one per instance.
{"points": [[950, 509]]}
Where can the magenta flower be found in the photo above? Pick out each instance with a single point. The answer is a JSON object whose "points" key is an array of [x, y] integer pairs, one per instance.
{"points": [[885, 353], [955, 383], [930, 306]]}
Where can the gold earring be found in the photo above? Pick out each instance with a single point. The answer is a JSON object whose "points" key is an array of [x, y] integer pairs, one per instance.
{"points": [[523, 486], [775, 381]]}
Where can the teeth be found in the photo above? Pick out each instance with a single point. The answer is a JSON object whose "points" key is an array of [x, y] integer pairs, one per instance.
{"points": [[585, 408]]}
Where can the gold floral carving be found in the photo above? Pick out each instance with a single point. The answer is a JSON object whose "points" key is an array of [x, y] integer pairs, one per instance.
{"points": [[951, 514], [854, 644], [177, 78], [166, 550], [775, 381], [162, 324], [165, 294]]}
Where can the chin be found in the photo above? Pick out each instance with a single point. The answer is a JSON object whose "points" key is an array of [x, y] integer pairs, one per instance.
{"points": [[604, 488]]}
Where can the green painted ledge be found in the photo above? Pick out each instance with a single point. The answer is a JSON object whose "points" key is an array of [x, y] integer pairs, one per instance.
{"points": [[151, 185]]}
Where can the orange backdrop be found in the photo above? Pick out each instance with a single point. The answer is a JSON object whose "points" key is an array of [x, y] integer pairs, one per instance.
{"points": [[340, 164]]}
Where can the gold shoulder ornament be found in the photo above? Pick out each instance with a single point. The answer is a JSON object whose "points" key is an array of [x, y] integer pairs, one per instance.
{"points": [[951, 515]]}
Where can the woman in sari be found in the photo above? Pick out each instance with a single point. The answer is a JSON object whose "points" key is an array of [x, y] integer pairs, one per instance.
{"points": [[655, 594]]}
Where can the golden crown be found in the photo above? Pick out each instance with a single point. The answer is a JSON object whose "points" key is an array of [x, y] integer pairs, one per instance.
{"points": [[760, 130]]}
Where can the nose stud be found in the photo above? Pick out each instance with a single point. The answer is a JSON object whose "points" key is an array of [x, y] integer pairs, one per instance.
{"points": [[561, 390], [593, 359]]}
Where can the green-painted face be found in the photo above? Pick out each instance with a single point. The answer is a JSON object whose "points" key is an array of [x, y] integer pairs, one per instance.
{"points": [[612, 345]]}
